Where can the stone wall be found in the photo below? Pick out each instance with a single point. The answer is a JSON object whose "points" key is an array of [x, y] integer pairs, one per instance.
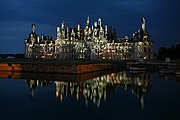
{"points": [[54, 68], [93, 67], [52, 76]]}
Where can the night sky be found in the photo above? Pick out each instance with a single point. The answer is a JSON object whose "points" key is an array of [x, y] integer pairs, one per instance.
{"points": [[16, 17]]}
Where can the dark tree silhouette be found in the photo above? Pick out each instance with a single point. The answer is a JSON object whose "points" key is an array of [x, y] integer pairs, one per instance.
{"points": [[173, 52]]}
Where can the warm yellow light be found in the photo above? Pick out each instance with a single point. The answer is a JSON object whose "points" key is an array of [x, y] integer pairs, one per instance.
{"points": [[61, 97], [57, 93], [77, 96], [112, 74], [49, 54]]}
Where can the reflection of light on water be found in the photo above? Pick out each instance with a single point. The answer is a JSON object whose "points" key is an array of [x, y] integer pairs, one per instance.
{"points": [[61, 97], [57, 94], [97, 89], [35, 83], [94, 89]]}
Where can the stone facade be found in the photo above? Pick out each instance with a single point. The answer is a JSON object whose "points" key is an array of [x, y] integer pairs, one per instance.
{"points": [[39, 47], [92, 42]]}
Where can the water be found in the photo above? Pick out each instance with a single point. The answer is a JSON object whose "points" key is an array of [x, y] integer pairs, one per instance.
{"points": [[121, 95]]}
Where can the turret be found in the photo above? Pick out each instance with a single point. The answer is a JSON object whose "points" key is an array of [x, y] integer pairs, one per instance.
{"points": [[95, 24], [79, 31], [63, 25], [100, 22], [58, 33], [67, 31], [63, 28], [79, 27], [106, 31]]}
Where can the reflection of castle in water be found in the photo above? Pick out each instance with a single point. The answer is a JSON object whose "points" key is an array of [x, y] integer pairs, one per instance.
{"points": [[35, 83], [100, 88], [94, 89]]}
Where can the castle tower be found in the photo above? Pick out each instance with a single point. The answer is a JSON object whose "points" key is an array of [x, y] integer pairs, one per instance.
{"points": [[58, 33], [63, 29]]}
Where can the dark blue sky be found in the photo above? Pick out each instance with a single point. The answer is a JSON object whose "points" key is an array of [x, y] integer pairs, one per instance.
{"points": [[16, 17]]}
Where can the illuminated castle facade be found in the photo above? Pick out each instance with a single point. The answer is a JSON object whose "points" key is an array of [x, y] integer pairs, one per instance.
{"points": [[92, 42]]}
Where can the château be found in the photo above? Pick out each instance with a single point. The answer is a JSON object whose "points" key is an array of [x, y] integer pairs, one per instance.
{"points": [[94, 42]]}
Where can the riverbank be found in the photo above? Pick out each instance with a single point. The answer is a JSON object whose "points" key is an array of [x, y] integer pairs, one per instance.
{"points": [[81, 66], [59, 66], [166, 67]]}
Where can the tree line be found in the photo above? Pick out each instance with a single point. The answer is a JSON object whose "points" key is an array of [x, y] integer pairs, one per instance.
{"points": [[19, 55], [173, 52]]}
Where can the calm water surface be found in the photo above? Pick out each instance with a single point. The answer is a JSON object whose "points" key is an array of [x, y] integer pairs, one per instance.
{"points": [[121, 95]]}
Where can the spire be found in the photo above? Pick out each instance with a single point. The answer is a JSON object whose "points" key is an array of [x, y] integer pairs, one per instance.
{"points": [[143, 24], [63, 25], [33, 28], [88, 21], [100, 22], [143, 20], [143, 32], [79, 27]]}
